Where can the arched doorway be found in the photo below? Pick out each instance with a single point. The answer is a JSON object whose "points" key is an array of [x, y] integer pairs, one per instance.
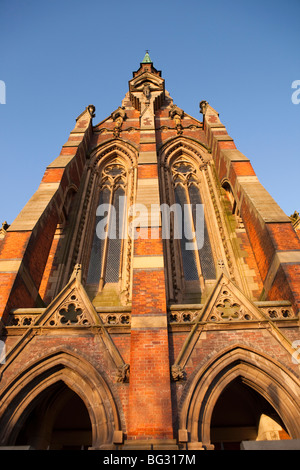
{"points": [[245, 378], [242, 414], [57, 420], [60, 394]]}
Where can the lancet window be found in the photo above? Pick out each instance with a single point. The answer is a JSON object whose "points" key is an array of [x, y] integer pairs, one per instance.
{"points": [[196, 252], [106, 253]]}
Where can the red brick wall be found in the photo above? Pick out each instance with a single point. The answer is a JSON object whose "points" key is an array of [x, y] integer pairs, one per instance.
{"points": [[33, 247], [13, 291], [286, 285], [147, 171], [145, 284], [260, 241], [150, 350], [250, 261], [213, 342], [149, 241], [46, 283], [14, 245], [265, 238], [149, 401]]}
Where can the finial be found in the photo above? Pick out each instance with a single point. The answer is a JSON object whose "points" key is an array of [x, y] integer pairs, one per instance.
{"points": [[146, 59]]}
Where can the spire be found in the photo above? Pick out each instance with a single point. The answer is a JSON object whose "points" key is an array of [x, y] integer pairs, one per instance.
{"points": [[147, 66], [146, 59]]}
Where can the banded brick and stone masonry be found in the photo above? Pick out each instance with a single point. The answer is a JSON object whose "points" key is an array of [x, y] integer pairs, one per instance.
{"points": [[273, 239], [25, 249], [149, 353], [150, 413]]}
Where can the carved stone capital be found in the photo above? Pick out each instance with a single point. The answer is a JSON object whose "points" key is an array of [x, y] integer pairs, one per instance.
{"points": [[91, 109], [176, 112], [118, 117], [203, 106], [177, 373], [3, 229], [119, 112], [123, 373]]}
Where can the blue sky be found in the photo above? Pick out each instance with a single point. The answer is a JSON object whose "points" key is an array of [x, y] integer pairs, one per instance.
{"points": [[59, 56]]}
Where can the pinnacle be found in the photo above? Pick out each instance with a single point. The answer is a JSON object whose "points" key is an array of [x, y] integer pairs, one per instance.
{"points": [[147, 59]]}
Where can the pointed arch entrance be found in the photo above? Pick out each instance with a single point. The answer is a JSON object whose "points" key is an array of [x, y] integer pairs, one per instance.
{"points": [[255, 378], [56, 420], [44, 396], [242, 414]]}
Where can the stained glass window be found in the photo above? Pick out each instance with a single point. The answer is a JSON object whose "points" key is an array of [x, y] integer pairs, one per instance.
{"points": [[105, 259], [196, 251]]}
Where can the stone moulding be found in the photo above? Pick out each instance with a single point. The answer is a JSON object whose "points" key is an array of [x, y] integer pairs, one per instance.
{"points": [[227, 305], [70, 310], [80, 376], [177, 315], [28, 317], [258, 370], [273, 310]]}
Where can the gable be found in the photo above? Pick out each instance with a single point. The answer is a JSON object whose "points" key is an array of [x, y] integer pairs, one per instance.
{"points": [[226, 304], [72, 306]]}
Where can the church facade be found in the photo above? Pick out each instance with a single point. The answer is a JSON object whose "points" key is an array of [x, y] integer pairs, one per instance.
{"points": [[149, 290]]}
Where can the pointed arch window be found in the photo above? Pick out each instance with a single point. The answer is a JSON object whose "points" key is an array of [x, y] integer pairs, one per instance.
{"points": [[106, 253], [197, 258]]}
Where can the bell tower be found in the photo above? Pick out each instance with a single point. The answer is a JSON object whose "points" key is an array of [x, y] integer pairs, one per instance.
{"points": [[152, 283], [149, 388]]}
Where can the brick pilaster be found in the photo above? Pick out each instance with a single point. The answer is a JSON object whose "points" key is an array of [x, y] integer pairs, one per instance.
{"points": [[274, 242], [24, 250], [150, 414]]}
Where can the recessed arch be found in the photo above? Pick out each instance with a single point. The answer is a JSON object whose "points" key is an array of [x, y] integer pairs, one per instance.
{"points": [[69, 197], [263, 374], [243, 414], [230, 195], [78, 243], [179, 145], [145, 78], [57, 419], [185, 163], [101, 278], [105, 151], [18, 398]]}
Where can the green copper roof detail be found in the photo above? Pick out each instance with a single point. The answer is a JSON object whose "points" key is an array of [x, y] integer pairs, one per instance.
{"points": [[146, 59]]}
